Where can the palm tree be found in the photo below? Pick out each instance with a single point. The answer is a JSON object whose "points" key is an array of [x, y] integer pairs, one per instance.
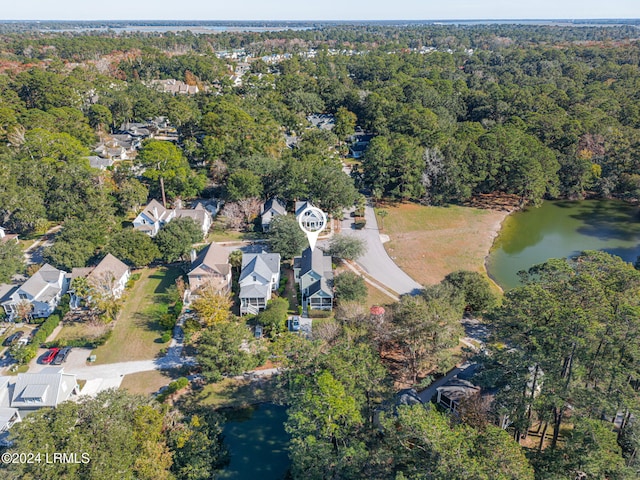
{"points": [[382, 213]]}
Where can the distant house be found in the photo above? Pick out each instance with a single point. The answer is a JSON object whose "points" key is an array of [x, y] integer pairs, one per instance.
{"points": [[43, 291], [153, 218], [100, 163], [271, 208], [200, 214], [210, 268], [5, 237], [110, 277], [259, 277], [175, 87], [314, 274]]}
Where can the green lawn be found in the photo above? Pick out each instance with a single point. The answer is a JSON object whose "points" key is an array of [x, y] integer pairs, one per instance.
{"points": [[136, 334], [146, 383], [235, 393]]}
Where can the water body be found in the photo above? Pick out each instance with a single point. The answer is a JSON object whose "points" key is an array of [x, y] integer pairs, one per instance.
{"points": [[257, 443], [563, 229]]}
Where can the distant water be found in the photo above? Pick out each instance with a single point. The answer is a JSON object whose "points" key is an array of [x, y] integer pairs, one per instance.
{"points": [[563, 229], [174, 28]]}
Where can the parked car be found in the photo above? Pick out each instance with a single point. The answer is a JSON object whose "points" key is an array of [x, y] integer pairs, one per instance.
{"points": [[295, 324], [61, 357], [11, 339], [258, 331], [50, 355]]}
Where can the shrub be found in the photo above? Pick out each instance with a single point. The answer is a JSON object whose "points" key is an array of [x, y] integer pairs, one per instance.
{"points": [[166, 336], [319, 313]]}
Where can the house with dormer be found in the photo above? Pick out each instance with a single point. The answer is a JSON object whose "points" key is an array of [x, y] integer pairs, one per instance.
{"points": [[109, 278], [43, 291], [259, 277], [314, 274], [153, 218], [210, 268]]}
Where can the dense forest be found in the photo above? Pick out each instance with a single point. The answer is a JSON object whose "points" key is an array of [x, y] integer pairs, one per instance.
{"points": [[538, 112]]}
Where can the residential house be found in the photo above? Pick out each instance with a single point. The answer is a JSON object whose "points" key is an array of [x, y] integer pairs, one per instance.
{"points": [[175, 87], [314, 274], [100, 163], [109, 277], [200, 214], [43, 291], [454, 391], [271, 208], [153, 218], [259, 277], [5, 237], [210, 268], [312, 221]]}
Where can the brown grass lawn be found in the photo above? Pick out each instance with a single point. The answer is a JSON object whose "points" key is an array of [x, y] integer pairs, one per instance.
{"points": [[145, 383], [77, 330], [376, 297], [136, 333], [430, 242]]}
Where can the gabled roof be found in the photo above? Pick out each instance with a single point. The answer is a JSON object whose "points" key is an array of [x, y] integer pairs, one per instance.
{"points": [[155, 211], [43, 285], [301, 206], [198, 214], [320, 286], [317, 261], [275, 204], [109, 265], [45, 389], [458, 389], [213, 257], [261, 264]]}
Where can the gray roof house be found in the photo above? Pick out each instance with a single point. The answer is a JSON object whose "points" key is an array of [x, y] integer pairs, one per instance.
{"points": [[28, 392], [152, 218], [454, 391], [259, 277], [314, 274], [271, 208], [210, 267], [43, 291], [200, 214], [110, 277]]}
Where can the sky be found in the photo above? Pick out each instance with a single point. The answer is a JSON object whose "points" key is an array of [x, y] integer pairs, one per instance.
{"points": [[316, 9]]}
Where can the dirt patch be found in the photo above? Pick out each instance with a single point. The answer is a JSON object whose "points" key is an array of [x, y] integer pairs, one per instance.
{"points": [[428, 243]]}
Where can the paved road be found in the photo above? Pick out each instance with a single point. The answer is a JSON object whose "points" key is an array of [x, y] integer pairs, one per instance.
{"points": [[376, 262]]}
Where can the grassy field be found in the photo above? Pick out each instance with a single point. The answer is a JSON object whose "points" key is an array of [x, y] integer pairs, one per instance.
{"points": [[136, 333], [232, 392], [78, 330], [145, 383], [430, 242], [376, 297]]}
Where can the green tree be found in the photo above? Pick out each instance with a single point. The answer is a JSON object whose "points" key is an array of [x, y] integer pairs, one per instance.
{"points": [[286, 237], [220, 350], [274, 317], [345, 123], [346, 247], [350, 287], [11, 260], [133, 247], [176, 238], [475, 288], [162, 161], [243, 184]]}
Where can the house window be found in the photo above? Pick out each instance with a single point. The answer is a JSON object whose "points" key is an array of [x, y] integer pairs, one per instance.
{"points": [[255, 279], [23, 296]]}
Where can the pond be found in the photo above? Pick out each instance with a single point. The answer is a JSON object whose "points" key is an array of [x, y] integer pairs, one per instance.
{"points": [[563, 229], [257, 443]]}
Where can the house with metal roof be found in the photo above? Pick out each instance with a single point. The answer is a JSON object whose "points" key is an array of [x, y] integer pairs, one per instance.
{"points": [[259, 277], [43, 291], [314, 274]]}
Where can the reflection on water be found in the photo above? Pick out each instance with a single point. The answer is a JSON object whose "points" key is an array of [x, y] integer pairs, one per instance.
{"points": [[563, 229], [257, 443]]}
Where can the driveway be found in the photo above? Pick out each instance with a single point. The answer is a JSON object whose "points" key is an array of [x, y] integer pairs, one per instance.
{"points": [[376, 262]]}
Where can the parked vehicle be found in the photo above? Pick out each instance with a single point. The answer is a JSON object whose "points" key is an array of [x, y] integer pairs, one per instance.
{"points": [[50, 355], [11, 339], [258, 331], [295, 324], [61, 357]]}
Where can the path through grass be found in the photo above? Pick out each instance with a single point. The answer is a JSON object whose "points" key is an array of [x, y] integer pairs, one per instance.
{"points": [[136, 334]]}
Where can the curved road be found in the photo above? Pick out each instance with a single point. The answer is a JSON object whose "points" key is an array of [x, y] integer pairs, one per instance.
{"points": [[376, 262]]}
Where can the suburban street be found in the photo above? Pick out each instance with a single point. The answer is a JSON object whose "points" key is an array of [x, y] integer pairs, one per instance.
{"points": [[376, 262]]}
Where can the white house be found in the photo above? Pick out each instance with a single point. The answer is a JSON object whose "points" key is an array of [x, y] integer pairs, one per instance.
{"points": [[153, 218], [259, 277], [270, 209], [314, 274], [110, 277], [200, 214], [43, 291]]}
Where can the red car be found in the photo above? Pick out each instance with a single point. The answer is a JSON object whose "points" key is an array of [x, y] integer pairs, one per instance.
{"points": [[50, 355]]}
